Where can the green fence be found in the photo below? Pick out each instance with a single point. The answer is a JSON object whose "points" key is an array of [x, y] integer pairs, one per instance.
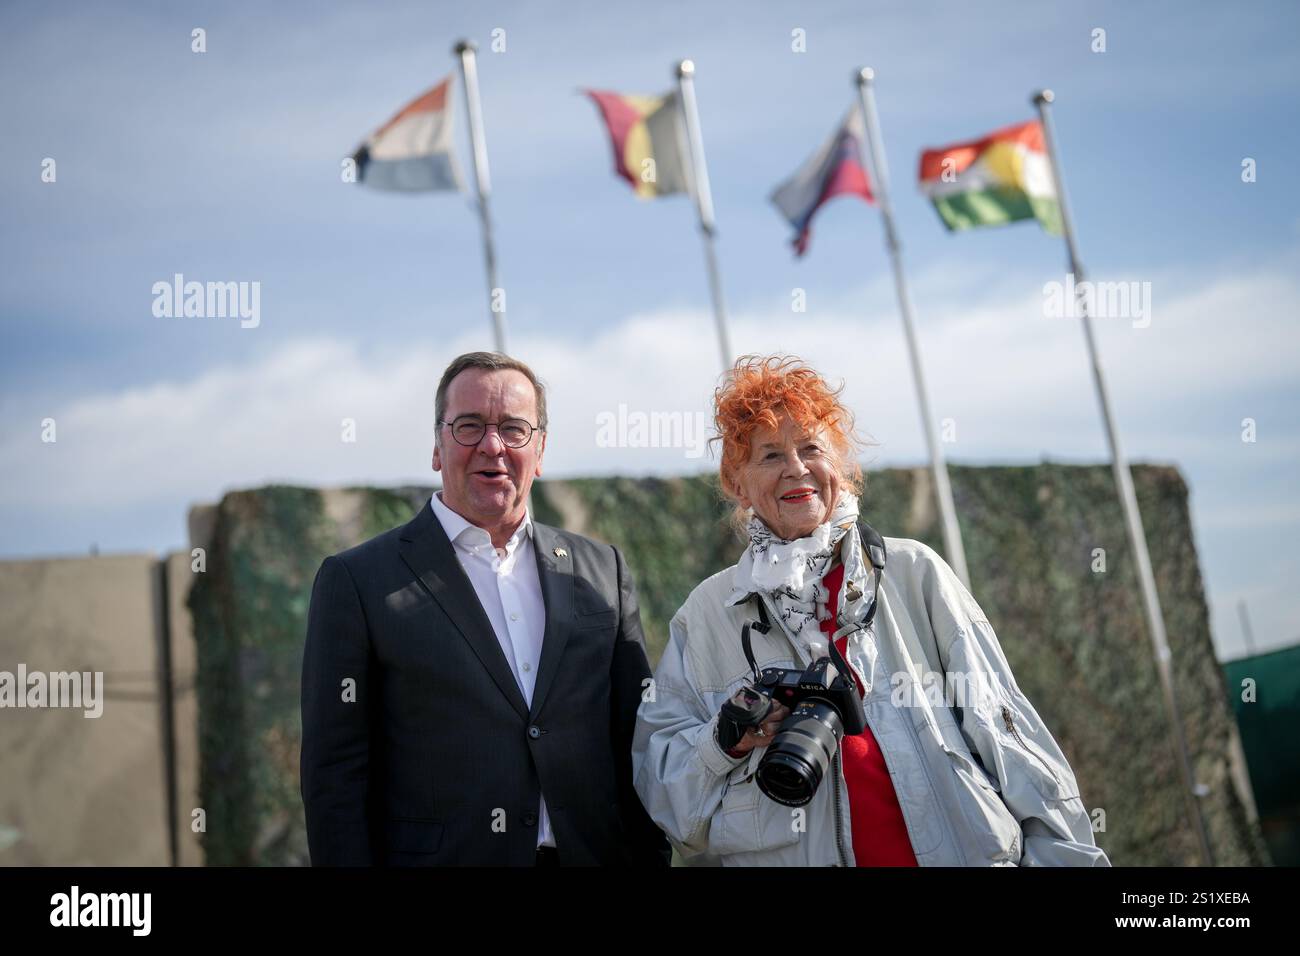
{"points": [[1265, 694]]}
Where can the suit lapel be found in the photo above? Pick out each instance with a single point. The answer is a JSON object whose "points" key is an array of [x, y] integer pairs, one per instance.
{"points": [[556, 574], [429, 554]]}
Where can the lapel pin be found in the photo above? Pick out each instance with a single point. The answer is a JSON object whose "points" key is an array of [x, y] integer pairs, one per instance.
{"points": [[561, 553]]}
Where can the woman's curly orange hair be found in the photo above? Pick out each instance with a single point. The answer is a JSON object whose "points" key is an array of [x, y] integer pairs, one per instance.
{"points": [[756, 391]]}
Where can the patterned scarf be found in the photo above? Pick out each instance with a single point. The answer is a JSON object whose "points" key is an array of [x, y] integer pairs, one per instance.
{"points": [[791, 572]]}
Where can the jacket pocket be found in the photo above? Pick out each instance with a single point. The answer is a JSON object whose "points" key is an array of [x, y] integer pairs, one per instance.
{"points": [[1052, 778], [971, 769], [413, 836], [749, 821], [993, 835], [603, 617]]}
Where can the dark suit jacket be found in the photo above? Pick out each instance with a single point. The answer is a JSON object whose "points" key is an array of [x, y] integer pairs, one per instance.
{"points": [[438, 760]]}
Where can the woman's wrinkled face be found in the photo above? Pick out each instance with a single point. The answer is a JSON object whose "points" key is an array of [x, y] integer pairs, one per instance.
{"points": [[792, 479]]}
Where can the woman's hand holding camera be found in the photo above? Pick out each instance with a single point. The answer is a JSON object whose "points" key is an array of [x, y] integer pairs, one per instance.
{"points": [[763, 734], [749, 720]]}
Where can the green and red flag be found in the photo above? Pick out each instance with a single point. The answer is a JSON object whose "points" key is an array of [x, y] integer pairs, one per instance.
{"points": [[1001, 178]]}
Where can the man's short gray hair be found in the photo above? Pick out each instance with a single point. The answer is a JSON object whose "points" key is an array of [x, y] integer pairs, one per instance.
{"points": [[491, 362]]}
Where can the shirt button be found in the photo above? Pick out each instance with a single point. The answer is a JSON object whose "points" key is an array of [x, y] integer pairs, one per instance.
{"points": [[527, 668], [514, 617]]}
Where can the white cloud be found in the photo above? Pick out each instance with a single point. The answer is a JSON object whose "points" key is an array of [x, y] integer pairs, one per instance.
{"points": [[1016, 383]]}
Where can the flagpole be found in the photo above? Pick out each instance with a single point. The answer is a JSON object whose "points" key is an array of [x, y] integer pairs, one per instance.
{"points": [[875, 161], [1124, 482], [1248, 635], [698, 173], [465, 51]]}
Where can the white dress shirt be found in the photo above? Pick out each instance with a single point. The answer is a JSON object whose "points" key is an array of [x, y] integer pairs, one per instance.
{"points": [[510, 590]]}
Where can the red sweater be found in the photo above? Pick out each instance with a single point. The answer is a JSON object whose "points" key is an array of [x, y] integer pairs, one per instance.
{"points": [[879, 832]]}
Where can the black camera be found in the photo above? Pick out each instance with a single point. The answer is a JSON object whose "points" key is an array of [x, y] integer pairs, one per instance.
{"points": [[823, 700], [824, 706]]}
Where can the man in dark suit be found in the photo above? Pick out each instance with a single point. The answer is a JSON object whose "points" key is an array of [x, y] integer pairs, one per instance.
{"points": [[471, 679]]}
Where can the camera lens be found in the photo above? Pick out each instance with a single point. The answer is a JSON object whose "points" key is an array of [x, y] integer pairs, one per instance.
{"points": [[798, 756]]}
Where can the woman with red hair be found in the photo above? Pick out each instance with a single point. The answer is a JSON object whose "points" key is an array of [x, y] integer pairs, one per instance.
{"points": [[791, 720]]}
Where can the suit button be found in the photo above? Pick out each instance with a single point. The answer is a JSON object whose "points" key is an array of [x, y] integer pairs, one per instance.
{"points": [[530, 819], [534, 731]]}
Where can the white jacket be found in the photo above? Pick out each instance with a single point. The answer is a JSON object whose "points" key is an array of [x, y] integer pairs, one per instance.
{"points": [[980, 783]]}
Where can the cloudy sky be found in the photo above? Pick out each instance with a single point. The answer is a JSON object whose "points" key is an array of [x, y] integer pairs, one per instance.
{"points": [[225, 166]]}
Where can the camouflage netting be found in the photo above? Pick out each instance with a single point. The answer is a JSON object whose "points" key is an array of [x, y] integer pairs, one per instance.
{"points": [[1076, 638]]}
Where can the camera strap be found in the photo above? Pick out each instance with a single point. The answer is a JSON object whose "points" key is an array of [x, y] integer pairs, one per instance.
{"points": [[873, 545], [762, 626]]}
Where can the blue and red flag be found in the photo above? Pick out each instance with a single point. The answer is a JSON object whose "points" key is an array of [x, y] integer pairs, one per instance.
{"points": [[834, 170]]}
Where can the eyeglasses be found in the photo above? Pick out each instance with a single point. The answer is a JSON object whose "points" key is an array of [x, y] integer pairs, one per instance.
{"points": [[469, 431]]}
